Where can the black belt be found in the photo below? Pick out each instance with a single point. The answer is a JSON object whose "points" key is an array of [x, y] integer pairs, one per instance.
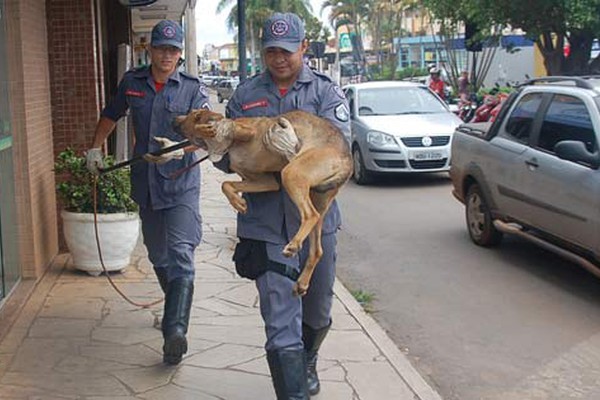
{"points": [[282, 269]]}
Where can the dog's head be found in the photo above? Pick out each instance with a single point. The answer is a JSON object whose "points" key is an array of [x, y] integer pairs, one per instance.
{"points": [[197, 126], [208, 130]]}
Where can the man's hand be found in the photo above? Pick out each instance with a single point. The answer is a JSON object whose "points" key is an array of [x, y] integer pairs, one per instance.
{"points": [[164, 143], [93, 160]]}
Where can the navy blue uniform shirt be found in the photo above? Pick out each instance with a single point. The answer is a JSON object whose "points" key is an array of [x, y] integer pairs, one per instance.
{"points": [[152, 114]]}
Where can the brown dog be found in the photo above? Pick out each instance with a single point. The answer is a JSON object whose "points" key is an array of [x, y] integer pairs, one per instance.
{"points": [[311, 153]]}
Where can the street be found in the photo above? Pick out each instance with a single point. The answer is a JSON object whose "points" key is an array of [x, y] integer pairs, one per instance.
{"points": [[513, 322]]}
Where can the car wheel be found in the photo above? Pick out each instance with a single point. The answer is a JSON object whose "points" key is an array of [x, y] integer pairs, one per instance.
{"points": [[479, 219], [360, 174], [219, 97]]}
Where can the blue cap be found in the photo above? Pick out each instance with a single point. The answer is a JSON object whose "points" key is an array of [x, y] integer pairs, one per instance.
{"points": [[285, 31], [167, 33]]}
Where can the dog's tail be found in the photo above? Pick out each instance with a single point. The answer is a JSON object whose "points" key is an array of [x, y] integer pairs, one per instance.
{"points": [[281, 138]]}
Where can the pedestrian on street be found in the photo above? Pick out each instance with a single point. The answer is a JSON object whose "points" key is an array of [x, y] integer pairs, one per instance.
{"points": [[295, 326], [169, 208], [463, 86]]}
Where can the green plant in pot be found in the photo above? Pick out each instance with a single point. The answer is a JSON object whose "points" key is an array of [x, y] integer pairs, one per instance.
{"points": [[118, 221]]}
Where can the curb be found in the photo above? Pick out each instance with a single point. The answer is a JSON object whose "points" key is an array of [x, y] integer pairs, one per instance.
{"points": [[407, 372]]}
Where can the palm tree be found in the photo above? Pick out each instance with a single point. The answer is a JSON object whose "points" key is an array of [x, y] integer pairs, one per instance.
{"points": [[353, 14]]}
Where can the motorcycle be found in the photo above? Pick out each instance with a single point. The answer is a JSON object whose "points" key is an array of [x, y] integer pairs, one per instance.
{"points": [[466, 110], [483, 112]]}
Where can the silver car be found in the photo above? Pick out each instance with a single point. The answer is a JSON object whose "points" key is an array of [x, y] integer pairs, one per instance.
{"points": [[398, 127]]}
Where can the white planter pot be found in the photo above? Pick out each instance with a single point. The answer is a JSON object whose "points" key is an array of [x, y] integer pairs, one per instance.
{"points": [[118, 236]]}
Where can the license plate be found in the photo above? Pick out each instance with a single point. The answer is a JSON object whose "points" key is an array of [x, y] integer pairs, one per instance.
{"points": [[428, 155]]}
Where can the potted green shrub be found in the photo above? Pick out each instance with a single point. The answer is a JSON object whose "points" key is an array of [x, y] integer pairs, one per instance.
{"points": [[118, 220]]}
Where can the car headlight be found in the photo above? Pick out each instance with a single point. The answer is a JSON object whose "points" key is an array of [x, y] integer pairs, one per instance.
{"points": [[381, 140]]}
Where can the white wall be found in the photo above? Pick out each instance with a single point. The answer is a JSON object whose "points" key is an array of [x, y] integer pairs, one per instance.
{"points": [[511, 67]]}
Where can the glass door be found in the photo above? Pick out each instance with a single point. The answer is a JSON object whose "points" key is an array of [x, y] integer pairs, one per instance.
{"points": [[10, 270]]}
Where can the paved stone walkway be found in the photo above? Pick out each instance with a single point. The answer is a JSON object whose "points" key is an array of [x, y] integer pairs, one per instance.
{"points": [[77, 339]]}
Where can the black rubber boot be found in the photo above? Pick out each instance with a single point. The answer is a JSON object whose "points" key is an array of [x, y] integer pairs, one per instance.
{"points": [[161, 274], [178, 304], [312, 339], [288, 371]]}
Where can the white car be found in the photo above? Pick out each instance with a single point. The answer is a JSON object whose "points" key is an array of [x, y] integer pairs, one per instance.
{"points": [[398, 127]]}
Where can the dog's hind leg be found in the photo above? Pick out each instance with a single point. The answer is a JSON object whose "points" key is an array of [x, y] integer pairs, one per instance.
{"points": [[318, 169], [321, 201], [297, 185]]}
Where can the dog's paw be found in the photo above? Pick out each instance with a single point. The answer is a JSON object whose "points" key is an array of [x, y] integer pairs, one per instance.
{"points": [[290, 250], [300, 289], [240, 205]]}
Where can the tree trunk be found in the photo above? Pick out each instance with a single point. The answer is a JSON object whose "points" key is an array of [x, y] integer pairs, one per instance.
{"points": [[252, 50], [552, 53]]}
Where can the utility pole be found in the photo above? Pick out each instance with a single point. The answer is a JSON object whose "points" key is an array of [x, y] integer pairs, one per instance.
{"points": [[241, 14]]}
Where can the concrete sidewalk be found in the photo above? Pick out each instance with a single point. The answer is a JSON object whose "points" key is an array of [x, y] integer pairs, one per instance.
{"points": [[77, 339]]}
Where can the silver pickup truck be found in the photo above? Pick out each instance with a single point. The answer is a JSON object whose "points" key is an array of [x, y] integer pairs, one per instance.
{"points": [[534, 171]]}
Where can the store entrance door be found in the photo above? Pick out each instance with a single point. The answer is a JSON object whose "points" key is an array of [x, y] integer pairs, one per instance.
{"points": [[10, 270]]}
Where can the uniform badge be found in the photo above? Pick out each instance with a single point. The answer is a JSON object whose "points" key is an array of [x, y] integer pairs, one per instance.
{"points": [[279, 28], [206, 106], [338, 90], [203, 91], [341, 113]]}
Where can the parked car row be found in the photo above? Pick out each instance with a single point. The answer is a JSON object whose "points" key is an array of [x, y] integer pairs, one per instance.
{"points": [[533, 172]]}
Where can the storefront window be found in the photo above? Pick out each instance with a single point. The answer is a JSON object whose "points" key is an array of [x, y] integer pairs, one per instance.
{"points": [[9, 266]]}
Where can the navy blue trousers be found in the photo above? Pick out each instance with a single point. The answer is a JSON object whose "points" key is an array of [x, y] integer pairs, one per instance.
{"points": [[171, 235], [284, 313]]}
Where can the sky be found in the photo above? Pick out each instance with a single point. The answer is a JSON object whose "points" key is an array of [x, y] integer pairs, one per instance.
{"points": [[211, 27]]}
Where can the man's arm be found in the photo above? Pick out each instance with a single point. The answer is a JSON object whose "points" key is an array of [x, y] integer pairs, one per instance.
{"points": [[103, 129], [105, 126]]}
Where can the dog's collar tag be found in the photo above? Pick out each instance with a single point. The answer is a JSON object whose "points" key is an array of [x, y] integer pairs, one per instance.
{"points": [[254, 104], [134, 93]]}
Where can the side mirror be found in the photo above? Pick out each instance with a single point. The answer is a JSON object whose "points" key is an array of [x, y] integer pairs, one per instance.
{"points": [[573, 150], [136, 3]]}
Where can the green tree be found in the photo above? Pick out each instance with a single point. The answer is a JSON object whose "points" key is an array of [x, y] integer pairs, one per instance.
{"points": [[550, 23]]}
